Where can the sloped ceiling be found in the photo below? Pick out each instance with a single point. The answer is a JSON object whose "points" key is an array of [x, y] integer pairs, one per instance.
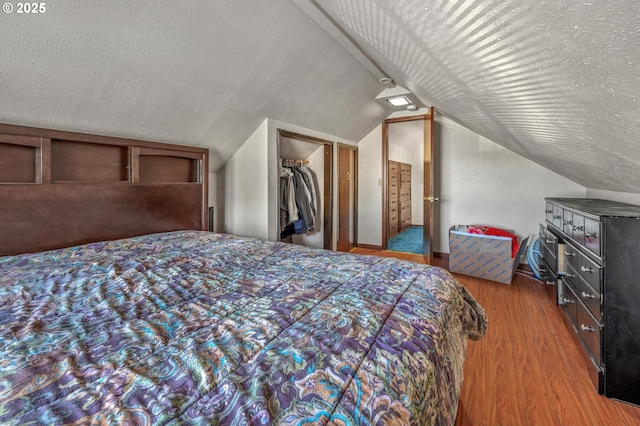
{"points": [[555, 81], [203, 73]]}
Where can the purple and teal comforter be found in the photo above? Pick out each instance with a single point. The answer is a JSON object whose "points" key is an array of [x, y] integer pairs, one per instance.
{"points": [[200, 328]]}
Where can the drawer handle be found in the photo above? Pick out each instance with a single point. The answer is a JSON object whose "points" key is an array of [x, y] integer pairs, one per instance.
{"points": [[549, 241], [568, 275], [587, 295], [569, 253], [547, 282], [578, 228], [548, 211], [590, 234], [587, 328], [555, 216], [585, 269], [567, 301], [567, 222]]}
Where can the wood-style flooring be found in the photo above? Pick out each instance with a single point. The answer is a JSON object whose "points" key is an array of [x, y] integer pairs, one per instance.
{"points": [[529, 368]]}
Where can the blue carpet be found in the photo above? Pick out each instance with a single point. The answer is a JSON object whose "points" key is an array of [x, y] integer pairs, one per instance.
{"points": [[408, 241]]}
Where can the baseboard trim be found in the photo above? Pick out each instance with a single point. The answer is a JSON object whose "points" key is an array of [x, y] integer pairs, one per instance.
{"points": [[441, 255], [369, 246]]}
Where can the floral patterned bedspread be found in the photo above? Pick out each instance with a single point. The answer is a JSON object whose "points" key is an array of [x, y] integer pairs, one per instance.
{"points": [[195, 327]]}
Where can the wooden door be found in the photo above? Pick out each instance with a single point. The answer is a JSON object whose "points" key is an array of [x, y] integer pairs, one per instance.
{"points": [[347, 191], [429, 187]]}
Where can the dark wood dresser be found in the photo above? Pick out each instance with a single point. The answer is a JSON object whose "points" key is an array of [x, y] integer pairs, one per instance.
{"points": [[591, 249]]}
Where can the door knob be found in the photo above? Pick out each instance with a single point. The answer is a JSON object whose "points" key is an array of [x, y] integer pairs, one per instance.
{"points": [[431, 199]]}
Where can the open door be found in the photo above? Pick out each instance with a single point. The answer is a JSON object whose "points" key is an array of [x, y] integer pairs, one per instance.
{"points": [[429, 187], [424, 179]]}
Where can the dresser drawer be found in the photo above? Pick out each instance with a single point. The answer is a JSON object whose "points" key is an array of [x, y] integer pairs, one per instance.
{"points": [[570, 277], [578, 228], [592, 235], [589, 330], [567, 222], [556, 216], [589, 296], [569, 302], [549, 248], [546, 275], [571, 256], [548, 212], [590, 271]]}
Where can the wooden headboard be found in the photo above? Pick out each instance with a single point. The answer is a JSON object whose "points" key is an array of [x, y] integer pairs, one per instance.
{"points": [[59, 189]]}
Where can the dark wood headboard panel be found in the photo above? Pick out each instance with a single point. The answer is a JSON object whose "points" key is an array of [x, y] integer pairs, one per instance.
{"points": [[59, 189]]}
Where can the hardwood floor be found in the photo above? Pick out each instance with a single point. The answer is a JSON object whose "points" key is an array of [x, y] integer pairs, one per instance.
{"points": [[528, 369]]}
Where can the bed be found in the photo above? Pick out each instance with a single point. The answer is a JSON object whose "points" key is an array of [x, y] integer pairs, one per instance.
{"points": [[118, 307], [197, 327]]}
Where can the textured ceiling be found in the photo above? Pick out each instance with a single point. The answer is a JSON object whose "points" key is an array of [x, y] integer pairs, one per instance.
{"points": [[203, 73], [555, 81]]}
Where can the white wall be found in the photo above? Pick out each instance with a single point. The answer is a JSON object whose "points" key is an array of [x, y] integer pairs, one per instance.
{"points": [[245, 190], [248, 184], [480, 182], [370, 188], [622, 197], [477, 182]]}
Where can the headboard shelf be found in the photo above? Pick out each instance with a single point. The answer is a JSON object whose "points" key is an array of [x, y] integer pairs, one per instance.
{"points": [[59, 189]]}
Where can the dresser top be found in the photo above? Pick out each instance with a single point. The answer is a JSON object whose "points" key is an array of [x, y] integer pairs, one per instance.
{"points": [[597, 207]]}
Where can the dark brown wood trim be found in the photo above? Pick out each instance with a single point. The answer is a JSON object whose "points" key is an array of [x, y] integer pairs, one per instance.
{"points": [[441, 255], [385, 180], [408, 118], [292, 135], [169, 152], [43, 162], [34, 141], [11, 129], [328, 205], [369, 246], [135, 164]]}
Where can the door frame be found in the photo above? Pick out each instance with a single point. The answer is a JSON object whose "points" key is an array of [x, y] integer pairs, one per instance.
{"points": [[428, 189], [354, 149], [327, 180]]}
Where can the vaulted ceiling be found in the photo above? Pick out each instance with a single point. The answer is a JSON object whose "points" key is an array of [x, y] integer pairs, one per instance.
{"points": [[555, 81]]}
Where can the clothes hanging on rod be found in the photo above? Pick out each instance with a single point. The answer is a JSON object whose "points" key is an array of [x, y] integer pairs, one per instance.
{"points": [[298, 202]]}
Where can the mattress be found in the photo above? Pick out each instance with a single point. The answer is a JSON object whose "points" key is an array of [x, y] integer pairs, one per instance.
{"points": [[195, 327]]}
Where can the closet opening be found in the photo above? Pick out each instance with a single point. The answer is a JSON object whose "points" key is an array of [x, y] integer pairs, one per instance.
{"points": [[304, 190]]}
